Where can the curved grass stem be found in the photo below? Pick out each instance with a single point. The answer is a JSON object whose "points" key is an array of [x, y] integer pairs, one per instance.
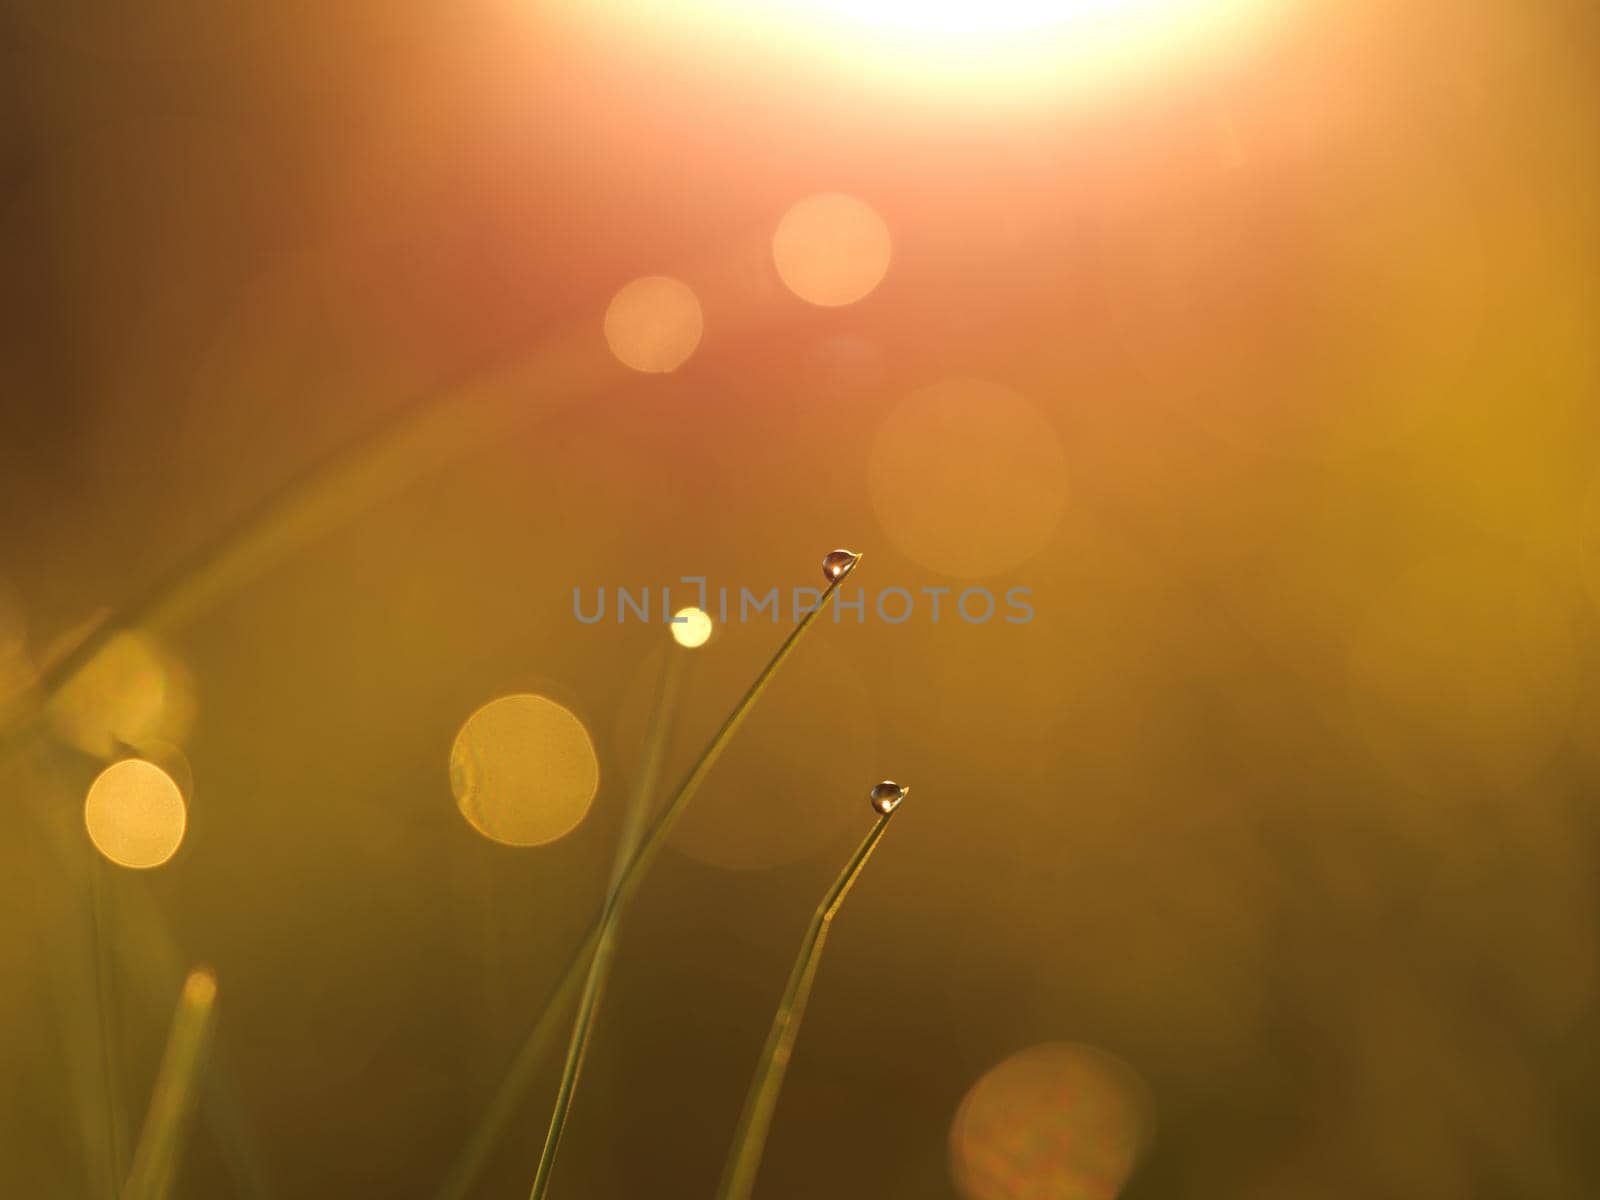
{"points": [[654, 752], [436, 428], [626, 881], [750, 1135], [469, 1163]]}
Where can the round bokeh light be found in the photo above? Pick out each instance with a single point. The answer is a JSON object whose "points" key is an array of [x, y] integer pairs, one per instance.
{"points": [[523, 770], [1059, 1121], [135, 814]]}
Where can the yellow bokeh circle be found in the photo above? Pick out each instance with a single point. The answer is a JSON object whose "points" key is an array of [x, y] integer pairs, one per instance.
{"points": [[654, 324], [523, 770], [135, 814], [831, 249]]}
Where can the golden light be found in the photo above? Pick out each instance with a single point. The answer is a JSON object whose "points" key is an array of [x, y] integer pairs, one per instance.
{"points": [[831, 249], [523, 770], [1059, 1121], [135, 814], [654, 324], [949, 458], [969, 50], [691, 627], [977, 16]]}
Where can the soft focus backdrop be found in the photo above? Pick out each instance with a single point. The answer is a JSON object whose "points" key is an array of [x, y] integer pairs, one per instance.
{"points": [[1267, 362]]}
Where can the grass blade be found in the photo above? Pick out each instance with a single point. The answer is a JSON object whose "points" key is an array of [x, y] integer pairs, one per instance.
{"points": [[470, 1162], [436, 428], [155, 1160], [655, 745], [625, 882], [750, 1135]]}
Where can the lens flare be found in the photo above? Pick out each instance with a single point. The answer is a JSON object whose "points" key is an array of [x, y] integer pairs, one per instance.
{"points": [[979, 16], [1028, 51]]}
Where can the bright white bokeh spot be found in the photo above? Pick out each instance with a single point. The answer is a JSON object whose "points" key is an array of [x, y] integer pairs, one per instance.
{"points": [[976, 16], [691, 627]]}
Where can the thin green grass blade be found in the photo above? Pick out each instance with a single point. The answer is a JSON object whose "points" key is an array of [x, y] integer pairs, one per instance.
{"points": [[507, 389], [750, 1135], [651, 760], [464, 1172], [155, 1160], [127, 941]]}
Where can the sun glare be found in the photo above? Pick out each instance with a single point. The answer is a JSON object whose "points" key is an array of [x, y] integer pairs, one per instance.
{"points": [[999, 49], [977, 16], [691, 627]]}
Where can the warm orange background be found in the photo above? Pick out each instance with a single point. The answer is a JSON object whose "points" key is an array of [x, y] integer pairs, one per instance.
{"points": [[1283, 798]]}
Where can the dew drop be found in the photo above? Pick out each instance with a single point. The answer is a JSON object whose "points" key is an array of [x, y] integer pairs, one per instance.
{"points": [[838, 564], [887, 795]]}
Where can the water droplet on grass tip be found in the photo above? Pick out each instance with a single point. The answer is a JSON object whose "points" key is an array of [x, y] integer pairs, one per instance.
{"points": [[838, 564], [887, 795]]}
